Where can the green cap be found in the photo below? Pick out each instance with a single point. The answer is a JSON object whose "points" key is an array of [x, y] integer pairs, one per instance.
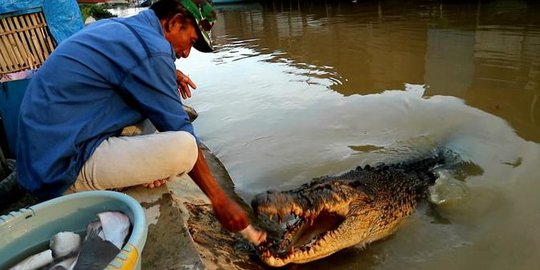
{"points": [[205, 16]]}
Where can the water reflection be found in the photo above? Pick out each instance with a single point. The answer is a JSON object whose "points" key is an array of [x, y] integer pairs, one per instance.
{"points": [[472, 50]]}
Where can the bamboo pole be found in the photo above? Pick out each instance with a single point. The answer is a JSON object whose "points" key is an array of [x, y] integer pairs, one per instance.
{"points": [[31, 40], [18, 37], [6, 61], [27, 38], [10, 57], [29, 27], [40, 35], [49, 39], [34, 33], [13, 41]]}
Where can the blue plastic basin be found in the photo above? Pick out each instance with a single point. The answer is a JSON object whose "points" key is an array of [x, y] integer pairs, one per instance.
{"points": [[22, 231]]}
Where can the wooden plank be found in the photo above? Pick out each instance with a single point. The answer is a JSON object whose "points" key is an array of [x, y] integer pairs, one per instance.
{"points": [[6, 62], [23, 29], [19, 37], [27, 40], [3, 62], [31, 41], [37, 35], [32, 32], [13, 40], [49, 38], [35, 59], [10, 44], [44, 34]]}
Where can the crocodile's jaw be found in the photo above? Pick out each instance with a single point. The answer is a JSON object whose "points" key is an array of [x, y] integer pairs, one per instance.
{"points": [[306, 243], [358, 229], [350, 218], [355, 229], [321, 229]]}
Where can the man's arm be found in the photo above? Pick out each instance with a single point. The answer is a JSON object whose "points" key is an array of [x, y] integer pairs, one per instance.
{"points": [[231, 216]]}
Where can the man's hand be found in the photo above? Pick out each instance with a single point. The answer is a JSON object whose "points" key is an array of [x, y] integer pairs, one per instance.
{"points": [[233, 218], [254, 236], [184, 84], [229, 214]]}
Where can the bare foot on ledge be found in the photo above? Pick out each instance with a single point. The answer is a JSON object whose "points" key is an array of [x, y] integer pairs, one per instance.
{"points": [[156, 183]]}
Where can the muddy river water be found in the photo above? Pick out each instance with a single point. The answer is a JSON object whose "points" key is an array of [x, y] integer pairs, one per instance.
{"points": [[299, 89]]}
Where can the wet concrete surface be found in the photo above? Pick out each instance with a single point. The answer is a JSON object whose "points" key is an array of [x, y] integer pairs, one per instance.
{"points": [[168, 241], [182, 230]]}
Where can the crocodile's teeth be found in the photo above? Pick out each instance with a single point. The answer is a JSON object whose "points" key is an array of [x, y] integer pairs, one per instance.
{"points": [[311, 219]]}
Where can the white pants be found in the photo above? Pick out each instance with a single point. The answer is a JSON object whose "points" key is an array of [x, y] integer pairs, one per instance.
{"points": [[131, 160]]}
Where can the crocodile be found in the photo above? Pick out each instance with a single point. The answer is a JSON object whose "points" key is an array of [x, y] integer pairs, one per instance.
{"points": [[331, 213]]}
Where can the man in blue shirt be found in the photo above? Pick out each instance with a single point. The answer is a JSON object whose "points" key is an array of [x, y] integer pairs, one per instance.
{"points": [[113, 74]]}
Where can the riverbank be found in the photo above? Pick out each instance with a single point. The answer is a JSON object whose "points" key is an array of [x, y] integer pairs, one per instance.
{"points": [[182, 230]]}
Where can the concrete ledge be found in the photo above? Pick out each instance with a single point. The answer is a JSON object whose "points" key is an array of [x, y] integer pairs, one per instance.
{"points": [[169, 244], [183, 232]]}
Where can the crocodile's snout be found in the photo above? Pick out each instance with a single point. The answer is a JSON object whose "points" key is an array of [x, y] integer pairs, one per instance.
{"points": [[262, 199], [275, 203]]}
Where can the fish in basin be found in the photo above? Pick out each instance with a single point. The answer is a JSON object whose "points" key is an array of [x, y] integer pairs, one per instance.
{"points": [[331, 213]]}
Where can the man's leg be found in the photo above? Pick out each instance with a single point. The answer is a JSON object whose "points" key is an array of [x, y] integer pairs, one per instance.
{"points": [[134, 160]]}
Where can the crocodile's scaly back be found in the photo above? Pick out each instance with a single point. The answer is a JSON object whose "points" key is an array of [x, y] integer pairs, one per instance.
{"points": [[364, 205]]}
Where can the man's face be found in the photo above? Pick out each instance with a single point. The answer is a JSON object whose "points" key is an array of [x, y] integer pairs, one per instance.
{"points": [[181, 34]]}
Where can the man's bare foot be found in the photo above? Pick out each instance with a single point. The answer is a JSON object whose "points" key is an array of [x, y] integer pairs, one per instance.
{"points": [[156, 183]]}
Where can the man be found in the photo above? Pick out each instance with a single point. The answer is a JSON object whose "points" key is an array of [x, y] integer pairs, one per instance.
{"points": [[110, 75]]}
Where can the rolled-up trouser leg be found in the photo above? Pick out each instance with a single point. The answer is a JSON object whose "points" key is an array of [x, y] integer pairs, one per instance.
{"points": [[134, 160]]}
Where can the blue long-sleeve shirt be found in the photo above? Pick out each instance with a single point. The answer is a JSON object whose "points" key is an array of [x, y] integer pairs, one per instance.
{"points": [[111, 74]]}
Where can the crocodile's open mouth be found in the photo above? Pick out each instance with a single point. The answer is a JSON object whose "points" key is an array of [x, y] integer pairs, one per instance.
{"points": [[307, 234], [302, 238]]}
